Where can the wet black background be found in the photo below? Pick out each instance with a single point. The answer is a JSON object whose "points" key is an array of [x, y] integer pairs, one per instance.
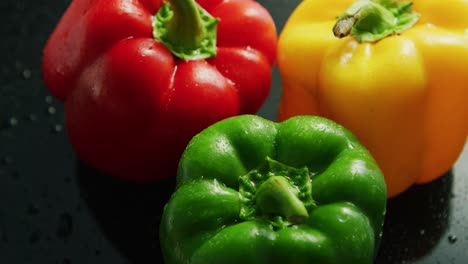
{"points": [[55, 209]]}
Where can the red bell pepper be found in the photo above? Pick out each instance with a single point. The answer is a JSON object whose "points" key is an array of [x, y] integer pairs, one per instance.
{"points": [[140, 78]]}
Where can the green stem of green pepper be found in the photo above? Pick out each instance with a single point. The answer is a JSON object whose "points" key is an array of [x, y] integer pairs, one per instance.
{"points": [[277, 196]]}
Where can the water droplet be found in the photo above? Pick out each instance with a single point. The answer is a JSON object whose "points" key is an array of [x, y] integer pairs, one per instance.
{"points": [[422, 232], [452, 239], [65, 226], [13, 121], [51, 110], [57, 128], [35, 237], [33, 209], [32, 117], [48, 99], [27, 73]]}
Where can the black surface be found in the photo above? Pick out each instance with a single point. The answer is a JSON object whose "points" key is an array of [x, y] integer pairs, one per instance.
{"points": [[55, 209]]}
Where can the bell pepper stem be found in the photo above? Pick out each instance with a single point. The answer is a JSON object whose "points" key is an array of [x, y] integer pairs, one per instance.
{"points": [[277, 193], [343, 27], [277, 196], [373, 20], [186, 29]]}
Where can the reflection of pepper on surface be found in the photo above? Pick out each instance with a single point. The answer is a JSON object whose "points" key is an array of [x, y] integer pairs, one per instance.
{"points": [[301, 191], [402, 91], [131, 105]]}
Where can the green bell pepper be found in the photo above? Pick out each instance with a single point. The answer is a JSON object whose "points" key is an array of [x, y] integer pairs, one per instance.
{"points": [[244, 195]]}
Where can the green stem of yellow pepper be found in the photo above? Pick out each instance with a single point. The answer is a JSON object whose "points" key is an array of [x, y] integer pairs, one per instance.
{"points": [[373, 20]]}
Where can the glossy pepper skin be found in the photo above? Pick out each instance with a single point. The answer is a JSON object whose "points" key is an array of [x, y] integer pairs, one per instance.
{"points": [[131, 104], [250, 190], [404, 96]]}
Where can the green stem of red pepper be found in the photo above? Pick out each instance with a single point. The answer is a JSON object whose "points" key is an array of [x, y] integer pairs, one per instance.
{"points": [[186, 29]]}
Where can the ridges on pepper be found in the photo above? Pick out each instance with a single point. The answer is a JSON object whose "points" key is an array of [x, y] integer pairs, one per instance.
{"points": [[139, 78], [402, 92]]}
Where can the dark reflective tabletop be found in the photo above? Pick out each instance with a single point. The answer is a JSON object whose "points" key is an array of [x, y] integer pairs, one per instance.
{"points": [[56, 209]]}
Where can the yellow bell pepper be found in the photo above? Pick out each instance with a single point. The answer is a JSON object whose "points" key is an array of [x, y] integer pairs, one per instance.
{"points": [[396, 74]]}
